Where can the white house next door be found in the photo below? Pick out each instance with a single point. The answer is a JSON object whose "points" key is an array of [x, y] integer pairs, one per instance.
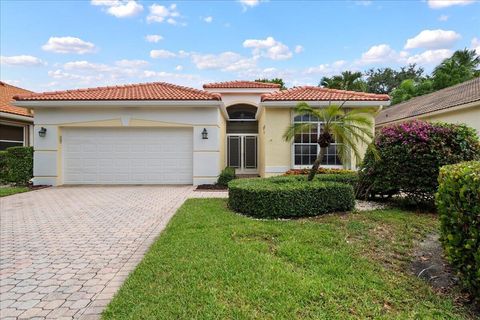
{"points": [[242, 153], [127, 155]]}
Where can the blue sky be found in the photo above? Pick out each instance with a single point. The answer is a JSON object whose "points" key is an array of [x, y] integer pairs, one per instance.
{"points": [[54, 45]]}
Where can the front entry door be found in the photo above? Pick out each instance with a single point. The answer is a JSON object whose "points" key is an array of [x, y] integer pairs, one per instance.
{"points": [[242, 153]]}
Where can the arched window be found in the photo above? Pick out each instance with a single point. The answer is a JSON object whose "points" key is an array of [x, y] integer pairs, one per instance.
{"points": [[241, 112]]}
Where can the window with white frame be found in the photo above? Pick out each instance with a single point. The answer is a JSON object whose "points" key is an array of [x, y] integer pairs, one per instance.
{"points": [[11, 136], [305, 145]]}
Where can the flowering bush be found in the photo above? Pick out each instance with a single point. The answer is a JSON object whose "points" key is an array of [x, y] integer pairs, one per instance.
{"points": [[410, 156]]}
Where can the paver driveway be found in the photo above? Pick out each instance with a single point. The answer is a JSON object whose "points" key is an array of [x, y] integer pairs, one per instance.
{"points": [[65, 251]]}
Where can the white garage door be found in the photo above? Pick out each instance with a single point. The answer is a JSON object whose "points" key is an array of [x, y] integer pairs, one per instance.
{"points": [[127, 156]]}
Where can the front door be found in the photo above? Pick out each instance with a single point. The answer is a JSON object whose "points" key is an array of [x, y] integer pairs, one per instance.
{"points": [[242, 153]]}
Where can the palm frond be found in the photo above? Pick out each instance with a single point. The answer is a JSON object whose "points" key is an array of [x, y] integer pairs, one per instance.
{"points": [[297, 128]]}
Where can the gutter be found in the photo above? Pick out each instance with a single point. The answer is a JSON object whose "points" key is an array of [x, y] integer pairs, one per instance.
{"points": [[16, 117]]}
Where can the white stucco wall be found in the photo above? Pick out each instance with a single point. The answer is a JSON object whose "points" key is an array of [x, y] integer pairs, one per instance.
{"points": [[48, 149]]}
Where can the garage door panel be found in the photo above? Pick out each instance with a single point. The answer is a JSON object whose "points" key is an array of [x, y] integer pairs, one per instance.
{"points": [[127, 156]]}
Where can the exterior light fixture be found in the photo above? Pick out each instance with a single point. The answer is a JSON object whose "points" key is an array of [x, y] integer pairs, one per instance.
{"points": [[42, 132], [204, 133]]}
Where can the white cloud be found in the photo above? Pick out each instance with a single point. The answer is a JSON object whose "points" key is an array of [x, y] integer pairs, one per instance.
{"points": [[249, 3], [225, 61], [208, 19], [162, 54], [439, 4], [363, 3], [430, 57], [443, 17], [380, 54], [326, 69], [131, 63], [12, 82], [299, 49], [21, 60], [268, 48], [475, 44], [179, 68], [433, 39], [120, 8], [159, 13], [86, 66], [68, 45], [153, 38]]}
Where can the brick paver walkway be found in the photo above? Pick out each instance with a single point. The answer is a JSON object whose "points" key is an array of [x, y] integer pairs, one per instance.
{"points": [[65, 251]]}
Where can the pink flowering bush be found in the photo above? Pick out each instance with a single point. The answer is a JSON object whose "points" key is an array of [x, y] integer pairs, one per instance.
{"points": [[410, 156]]}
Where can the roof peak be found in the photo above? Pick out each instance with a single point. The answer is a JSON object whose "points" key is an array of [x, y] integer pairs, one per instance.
{"points": [[312, 93], [241, 84]]}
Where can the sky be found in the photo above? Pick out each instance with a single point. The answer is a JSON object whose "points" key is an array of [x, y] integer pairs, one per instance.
{"points": [[57, 45]]}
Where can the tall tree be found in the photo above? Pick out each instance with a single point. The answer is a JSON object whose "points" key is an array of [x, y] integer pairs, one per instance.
{"points": [[461, 66], [350, 127], [274, 80], [385, 80], [347, 80], [410, 88]]}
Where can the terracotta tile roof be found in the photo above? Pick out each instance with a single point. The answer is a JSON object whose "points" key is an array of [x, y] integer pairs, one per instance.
{"points": [[240, 84], [6, 97], [450, 97], [142, 91], [309, 93]]}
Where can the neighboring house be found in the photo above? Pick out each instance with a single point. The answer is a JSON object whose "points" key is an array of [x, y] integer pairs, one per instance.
{"points": [[456, 104], [160, 133], [16, 123]]}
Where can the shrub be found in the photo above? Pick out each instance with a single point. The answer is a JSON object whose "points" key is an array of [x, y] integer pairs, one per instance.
{"points": [[294, 172], [3, 166], [350, 178], [458, 203], [227, 175], [284, 197], [19, 164], [411, 154]]}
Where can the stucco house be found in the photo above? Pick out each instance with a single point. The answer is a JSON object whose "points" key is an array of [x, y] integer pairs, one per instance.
{"points": [[455, 104], [16, 123], [160, 133]]}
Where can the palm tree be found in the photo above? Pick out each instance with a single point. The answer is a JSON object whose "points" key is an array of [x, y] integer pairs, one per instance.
{"points": [[460, 67], [347, 80], [350, 127]]}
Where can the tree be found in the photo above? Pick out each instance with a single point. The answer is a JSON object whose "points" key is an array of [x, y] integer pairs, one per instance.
{"points": [[347, 80], [274, 80], [410, 88], [349, 127], [460, 67], [385, 80]]}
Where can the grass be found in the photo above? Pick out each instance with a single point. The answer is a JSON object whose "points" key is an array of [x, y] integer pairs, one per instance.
{"points": [[8, 191], [211, 263]]}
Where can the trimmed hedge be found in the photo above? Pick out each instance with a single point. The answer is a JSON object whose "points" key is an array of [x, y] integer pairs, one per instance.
{"points": [[3, 166], [458, 203], [293, 172], [411, 154], [227, 175], [284, 197], [19, 165], [350, 178]]}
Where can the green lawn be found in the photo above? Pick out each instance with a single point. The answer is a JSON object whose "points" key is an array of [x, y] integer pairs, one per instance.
{"points": [[210, 263], [7, 191]]}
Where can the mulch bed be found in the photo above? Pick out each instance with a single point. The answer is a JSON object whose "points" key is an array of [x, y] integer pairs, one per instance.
{"points": [[210, 187]]}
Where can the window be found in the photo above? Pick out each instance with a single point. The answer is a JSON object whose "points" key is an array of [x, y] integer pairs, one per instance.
{"points": [[11, 136], [305, 146]]}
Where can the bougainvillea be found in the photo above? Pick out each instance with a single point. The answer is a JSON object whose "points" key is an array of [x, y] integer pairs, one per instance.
{"points": [[410, 155]]}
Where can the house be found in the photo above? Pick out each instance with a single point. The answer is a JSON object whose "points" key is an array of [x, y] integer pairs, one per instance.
{"points": [[16, 123], [456, 104], [160, 133]]}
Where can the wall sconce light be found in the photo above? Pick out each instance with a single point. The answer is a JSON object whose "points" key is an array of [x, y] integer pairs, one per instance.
{"points": [[42, 132], [204, 133]]}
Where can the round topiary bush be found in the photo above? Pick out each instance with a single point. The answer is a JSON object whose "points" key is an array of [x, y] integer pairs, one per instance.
{"points": [[410, 156], [287, 197]]}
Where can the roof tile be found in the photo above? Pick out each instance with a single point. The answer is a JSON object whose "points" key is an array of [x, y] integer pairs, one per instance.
{"points": [[241, 84], [142, 91], [310, 93], [466, 92], [7, 92]]}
